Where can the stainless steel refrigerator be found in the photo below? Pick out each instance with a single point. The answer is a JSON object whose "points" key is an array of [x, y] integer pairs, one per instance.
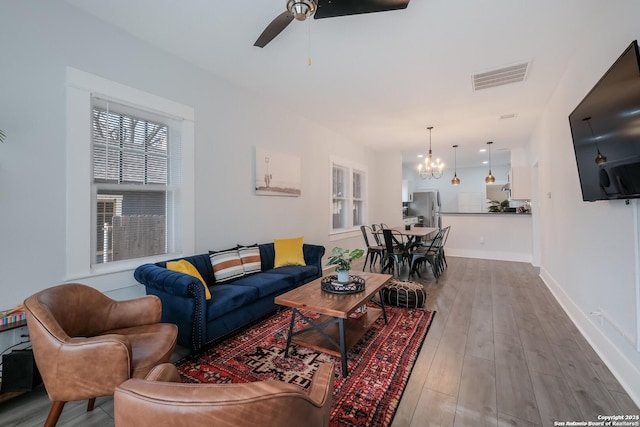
{"points": [[426, 206]]}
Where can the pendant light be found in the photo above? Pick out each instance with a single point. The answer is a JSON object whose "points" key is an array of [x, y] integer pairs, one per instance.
{"points": [[430, 169], [490, 178], [455, 180]]}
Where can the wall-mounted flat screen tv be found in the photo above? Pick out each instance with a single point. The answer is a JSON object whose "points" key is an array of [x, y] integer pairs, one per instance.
{"points": [[605, 127]]}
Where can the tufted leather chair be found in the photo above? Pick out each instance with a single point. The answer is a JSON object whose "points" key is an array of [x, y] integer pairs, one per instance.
{"points": [[85, 344], [162, 400]]}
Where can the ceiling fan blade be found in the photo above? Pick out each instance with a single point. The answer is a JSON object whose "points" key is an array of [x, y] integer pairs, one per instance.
{"points": [[274, 28], [332, 8]]}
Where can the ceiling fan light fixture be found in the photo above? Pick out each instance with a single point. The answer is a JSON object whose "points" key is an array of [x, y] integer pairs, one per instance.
{"points": [[301, 9]]}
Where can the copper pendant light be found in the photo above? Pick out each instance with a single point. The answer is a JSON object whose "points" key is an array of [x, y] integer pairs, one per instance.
{"points": [[455, 180], [490, 178]]}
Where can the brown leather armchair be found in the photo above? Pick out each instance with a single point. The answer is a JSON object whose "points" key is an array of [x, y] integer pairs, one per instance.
{"points": [[85, 344], [162, 400]]}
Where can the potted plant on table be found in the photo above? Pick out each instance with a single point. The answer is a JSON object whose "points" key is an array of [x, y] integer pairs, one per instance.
{"points": [[342, 259]]}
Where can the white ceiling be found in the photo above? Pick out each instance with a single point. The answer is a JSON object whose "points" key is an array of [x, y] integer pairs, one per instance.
{"points": [[380, 79]]}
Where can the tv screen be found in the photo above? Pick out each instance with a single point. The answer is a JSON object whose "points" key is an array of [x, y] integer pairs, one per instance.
{"points": [[605, 128]]}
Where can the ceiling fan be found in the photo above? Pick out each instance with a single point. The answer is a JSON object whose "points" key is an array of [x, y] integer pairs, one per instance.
{"points": [[302, 9]]}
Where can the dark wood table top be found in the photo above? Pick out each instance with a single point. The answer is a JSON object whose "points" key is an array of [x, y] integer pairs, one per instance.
{"points": [[311, 297]]}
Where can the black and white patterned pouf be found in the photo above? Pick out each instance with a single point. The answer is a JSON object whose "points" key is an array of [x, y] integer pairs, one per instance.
{"points": [[404, 294]]}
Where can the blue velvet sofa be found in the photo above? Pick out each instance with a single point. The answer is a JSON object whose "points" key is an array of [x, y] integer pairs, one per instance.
{"points": [[233, 304]]}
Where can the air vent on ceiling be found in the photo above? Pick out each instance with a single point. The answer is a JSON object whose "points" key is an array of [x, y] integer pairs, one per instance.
{"points": [[501, 76]]}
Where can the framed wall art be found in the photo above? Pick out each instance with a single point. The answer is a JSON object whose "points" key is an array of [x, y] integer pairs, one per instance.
{"points": [[277, 174]]}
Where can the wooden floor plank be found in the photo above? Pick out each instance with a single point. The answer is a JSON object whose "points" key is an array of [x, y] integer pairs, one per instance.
{"points": [[605, 375], [480, 337], [538, 353], [446, 369], [514, 389], [589, 392], [554, 399], [625, 403], [434, 410], [411, 395], [506, 420], [476, 404]]}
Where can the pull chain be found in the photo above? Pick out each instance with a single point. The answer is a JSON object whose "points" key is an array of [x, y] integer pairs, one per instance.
{"points": [[309, 43]]}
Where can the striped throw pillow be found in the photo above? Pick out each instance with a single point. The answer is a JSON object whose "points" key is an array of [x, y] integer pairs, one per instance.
{"points": [[226, 265], [250, 257]]}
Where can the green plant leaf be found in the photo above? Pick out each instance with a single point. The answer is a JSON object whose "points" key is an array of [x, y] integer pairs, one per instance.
{"points": [[342, 258]]}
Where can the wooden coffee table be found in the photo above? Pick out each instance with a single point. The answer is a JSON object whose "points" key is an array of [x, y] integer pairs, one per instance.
{"points": [[336, 329]]}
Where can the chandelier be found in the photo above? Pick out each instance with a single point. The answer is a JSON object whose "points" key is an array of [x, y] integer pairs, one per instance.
{"points": [[430, 169]]}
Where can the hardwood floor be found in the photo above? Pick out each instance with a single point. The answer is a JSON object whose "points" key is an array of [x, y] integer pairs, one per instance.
{"points": [[500, 352]]}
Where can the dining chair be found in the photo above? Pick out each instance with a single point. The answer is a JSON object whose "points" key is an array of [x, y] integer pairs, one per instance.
{"points": [[443, 258], [430, 255], [402, 243], [374, 252], [394, 255], [376, 235]]}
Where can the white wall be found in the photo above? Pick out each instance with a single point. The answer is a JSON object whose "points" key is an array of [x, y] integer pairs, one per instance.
{"points": [[39, 39], [588, 256]]}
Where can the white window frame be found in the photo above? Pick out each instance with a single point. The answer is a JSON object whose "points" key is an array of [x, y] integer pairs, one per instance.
{"points": [[81, 87], [351, 167]]}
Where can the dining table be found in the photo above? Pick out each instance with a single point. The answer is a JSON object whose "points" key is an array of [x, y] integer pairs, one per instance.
{"points": [[414, 233]]}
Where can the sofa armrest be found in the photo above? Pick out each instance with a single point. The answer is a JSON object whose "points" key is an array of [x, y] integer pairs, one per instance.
{"points": [[183, 301], [313, 255], [168, 281]]}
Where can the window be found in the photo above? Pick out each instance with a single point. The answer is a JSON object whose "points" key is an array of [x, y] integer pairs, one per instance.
{"points": [[348, 196], [131, 189], [131, 182]]}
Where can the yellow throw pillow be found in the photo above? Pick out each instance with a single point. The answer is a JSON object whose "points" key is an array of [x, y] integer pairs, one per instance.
{"points": [[184, 266], [288, 252]]}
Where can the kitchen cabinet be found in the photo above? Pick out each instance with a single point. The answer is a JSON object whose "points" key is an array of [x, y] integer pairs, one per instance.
{"points": [[520, 179], [407, 190]]}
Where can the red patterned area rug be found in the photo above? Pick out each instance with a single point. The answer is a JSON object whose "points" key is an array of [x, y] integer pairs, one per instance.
{"points": [[379, 365]]}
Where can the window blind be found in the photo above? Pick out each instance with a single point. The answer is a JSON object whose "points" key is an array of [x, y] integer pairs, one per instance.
{"points": [[135, 182]]}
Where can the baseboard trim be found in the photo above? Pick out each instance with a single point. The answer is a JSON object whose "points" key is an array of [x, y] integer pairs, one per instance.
{"points": [[493, 255], [620, 366]]}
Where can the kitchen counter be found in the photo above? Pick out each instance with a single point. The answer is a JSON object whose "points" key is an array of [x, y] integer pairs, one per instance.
{"points": [[490, 235], [485, 213]]}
